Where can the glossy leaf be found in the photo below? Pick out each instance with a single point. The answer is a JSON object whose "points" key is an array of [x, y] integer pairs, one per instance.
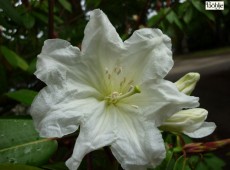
{"points": [[23, 96], [212, 162], [200, 7], [10, 11], [172, 18], [20, 143], [17, 167], [56, 166], [181, 164], [32, 66], [188, 15], [14, 59], [28, 21], [153, 21], [66, 5], [94, 3]]}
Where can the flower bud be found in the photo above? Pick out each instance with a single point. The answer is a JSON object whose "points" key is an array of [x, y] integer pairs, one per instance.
{"points": [[187, 83], [190, 122]]}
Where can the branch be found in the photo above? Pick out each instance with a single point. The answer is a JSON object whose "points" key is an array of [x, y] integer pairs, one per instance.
{"points": [[51, 33]]}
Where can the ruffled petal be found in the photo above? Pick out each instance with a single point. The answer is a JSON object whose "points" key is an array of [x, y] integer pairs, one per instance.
{"points": [[57, 59], [139, 143], [159, 99], [205, 129], [58, 111], [185, 120], [101, 41], [148, 51], [97, 131]]}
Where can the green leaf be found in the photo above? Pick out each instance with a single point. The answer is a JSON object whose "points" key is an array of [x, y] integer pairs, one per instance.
{"points": [[93, 3], [20, 143], [56, 166], [213, 162], [194, 160], [200, 7], [66, 5], [10, 11], [32, 66], [14, 59], [28, 21], [24, 96], [181, 164], [17, 167], [40, 16], [156, 19], [172, 18], [188, 15]]}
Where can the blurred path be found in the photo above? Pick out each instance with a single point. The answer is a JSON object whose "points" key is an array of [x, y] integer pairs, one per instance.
{"points": [[203, 65]]}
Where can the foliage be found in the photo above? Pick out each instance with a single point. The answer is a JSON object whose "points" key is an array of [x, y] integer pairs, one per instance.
{"points": [[24, 25]]}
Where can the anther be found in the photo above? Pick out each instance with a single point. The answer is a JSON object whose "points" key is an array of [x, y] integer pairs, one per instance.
{"points": [[130, 82], [109, 76], [119, 70], [106, 70], [135, 106], [130, 88]]}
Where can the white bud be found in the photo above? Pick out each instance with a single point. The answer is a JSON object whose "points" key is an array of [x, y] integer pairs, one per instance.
{"points": [[190, 120], [187, 83]]}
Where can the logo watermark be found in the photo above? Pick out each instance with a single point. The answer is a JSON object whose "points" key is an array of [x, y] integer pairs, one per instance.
{"points": [[214, 5]]}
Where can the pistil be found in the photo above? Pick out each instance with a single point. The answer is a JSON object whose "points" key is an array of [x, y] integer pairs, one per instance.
{"points": [[114, 97]]}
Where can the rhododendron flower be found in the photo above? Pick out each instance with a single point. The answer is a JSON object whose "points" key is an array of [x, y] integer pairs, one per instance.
{"points": [[187, 83], [190, 122], [113, 90]]}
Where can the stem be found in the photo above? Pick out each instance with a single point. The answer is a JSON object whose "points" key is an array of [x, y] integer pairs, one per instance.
{"points": [[51, 20]]}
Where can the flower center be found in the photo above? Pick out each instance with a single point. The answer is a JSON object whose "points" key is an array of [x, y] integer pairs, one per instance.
{"points": [[118, 86], [114, 97]]}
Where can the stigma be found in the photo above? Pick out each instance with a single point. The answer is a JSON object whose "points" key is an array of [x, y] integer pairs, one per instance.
{"points": [[119, 86]]}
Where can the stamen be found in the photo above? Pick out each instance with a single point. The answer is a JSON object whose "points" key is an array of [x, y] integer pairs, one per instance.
{"points": [[119, 70], [130, 82], [109, 76], [135, 106], [115, 69], [115, 96], [130, 88], [124, 80], [106, 70]]}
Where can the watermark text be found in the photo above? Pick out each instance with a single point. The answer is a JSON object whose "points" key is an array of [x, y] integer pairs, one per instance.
{"points": [[214, 5]]}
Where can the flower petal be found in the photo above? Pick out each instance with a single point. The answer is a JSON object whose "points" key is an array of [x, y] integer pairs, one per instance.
{"points": [[101, 40], [159, 99], [149, 52], [57, 59], [97, 131], [57, 111], [185, 120], [204, 130], [139, 143]]}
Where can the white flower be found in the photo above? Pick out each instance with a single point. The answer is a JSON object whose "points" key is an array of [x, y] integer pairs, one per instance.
{"points": [[113, 90], [187, 83], [190, 122]]}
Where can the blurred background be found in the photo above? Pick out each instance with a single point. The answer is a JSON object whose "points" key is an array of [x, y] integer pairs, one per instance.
{"points": [[200, 39]]}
